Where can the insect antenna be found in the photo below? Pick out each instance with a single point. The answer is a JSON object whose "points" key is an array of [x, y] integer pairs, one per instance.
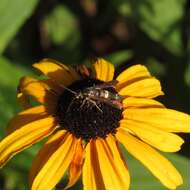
{"points": [[68, 89]]}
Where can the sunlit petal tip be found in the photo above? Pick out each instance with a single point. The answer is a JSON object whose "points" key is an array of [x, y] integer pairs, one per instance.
{"points": [[44, 65], [165, 119], [144, 88], [41, 64], [133, 72], [57, 71], [104, 70], [160, 167], [162, 140]]}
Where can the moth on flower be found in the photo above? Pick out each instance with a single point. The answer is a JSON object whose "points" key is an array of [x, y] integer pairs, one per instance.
{"points": [[87, 113]]}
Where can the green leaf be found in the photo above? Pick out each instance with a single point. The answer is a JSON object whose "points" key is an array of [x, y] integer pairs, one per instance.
{"points": [[61, 24], [63, 32], [12, 16], [155, 67], [187, 75], [161, 20], [15, 174], [119, 57], [9, 78]]}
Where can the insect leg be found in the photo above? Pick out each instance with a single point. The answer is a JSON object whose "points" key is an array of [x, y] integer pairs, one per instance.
{"points": [[93, 102], [83, 102]]}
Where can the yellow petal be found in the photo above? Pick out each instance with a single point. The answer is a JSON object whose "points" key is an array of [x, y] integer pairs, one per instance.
{"points": [[133, 72], [109, 164], [47, 85], [160, 139], [104, 70], [37, 89], [111, 161], [27, 116], [52, 86], [57, 71], [145, 88], [75, 167], [165, 119], [45, 153], [91, 174], [157, 164], [55, 167], [25, 137], [141, 103]]}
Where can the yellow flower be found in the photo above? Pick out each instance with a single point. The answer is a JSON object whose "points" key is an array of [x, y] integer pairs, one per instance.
{"points": [[87, 117]]}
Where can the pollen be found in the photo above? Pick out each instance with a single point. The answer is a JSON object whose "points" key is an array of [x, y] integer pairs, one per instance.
{"points": [[85, 117]]}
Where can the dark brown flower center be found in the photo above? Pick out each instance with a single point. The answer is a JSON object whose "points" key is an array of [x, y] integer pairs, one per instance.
{"points": [[86, 116]]}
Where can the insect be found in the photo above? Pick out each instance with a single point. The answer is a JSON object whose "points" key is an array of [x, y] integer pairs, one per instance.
{"points": [[102, 93]]}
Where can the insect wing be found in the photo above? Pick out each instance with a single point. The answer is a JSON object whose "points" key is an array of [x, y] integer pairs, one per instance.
{"points": [[106, 85], [114, 103]]}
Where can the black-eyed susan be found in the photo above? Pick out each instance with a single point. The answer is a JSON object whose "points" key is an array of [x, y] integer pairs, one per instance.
{"points": [[87, 117]]}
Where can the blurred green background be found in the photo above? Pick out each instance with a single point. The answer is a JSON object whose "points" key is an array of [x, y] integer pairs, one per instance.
{"points": [[126, 32]]}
